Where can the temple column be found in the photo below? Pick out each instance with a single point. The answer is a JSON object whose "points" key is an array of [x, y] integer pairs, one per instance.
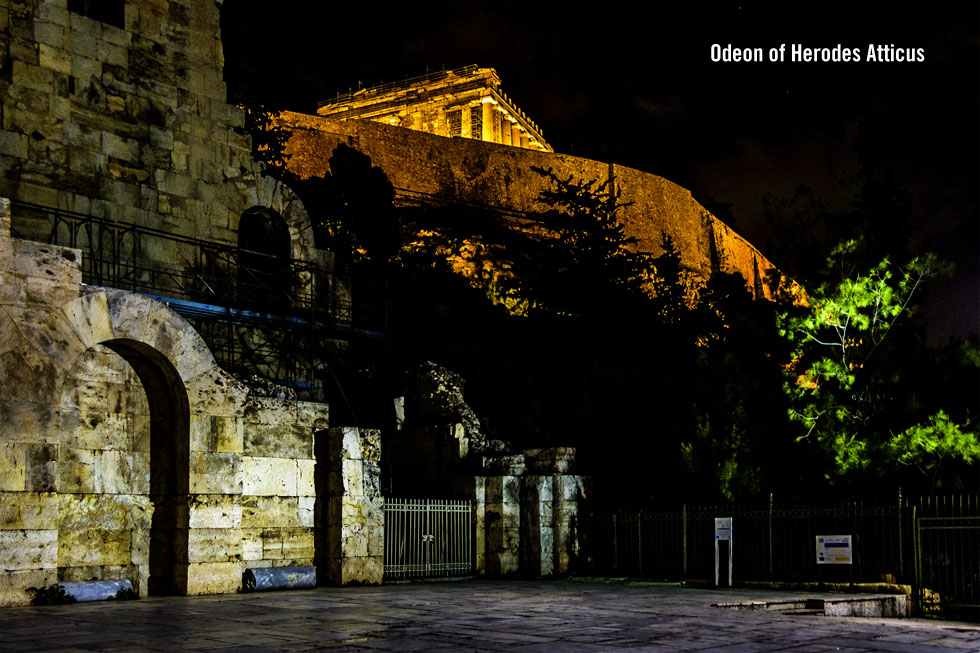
{"points": [[505, 131], [516, 135], [488, 121]]}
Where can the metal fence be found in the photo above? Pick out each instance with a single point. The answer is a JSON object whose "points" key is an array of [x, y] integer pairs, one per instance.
{"points": [[932, 544], [428, 538]]}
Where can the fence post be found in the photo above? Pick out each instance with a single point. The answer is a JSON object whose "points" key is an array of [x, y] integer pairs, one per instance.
{"points": [[684, 541], [770, 537], [901, 561]]}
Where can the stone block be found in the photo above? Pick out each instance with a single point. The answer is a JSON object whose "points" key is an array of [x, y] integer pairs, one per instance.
{"points": [[29, 549], [215, 473], [312, 414], [54, 58], [272, 512], [214, 577], [93, 547], [214, 545], [297, 544], [122, 472], [28, 511], [14, 584], [13, 144], [305, 478], [76, 472], [251, 544], [219, 434], [110, 512], [280, 440], [215, 511], [269, 476], [42, 467], [306, 510], [13, 467]]}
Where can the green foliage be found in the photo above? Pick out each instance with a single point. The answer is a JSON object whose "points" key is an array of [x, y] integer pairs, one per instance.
{"points": [[927, 445], [855, 375], [53, 595], [126, 594]]}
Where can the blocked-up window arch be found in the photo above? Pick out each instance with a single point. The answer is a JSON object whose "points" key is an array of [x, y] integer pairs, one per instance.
{"points": [[111, 12], [263, 257]]}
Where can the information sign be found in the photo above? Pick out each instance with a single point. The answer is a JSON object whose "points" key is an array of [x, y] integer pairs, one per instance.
{"points": [[834, 550]]}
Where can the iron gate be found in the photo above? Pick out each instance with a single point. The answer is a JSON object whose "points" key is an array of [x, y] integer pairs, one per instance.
{"points": [[428, 537], [946, 566]]}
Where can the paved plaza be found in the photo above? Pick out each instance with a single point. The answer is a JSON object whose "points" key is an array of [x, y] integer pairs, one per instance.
{"points": [[467, 615]]}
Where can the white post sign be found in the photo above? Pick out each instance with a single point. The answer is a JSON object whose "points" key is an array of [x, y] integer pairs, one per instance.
{"points": [[834, 550], [723, 533]]}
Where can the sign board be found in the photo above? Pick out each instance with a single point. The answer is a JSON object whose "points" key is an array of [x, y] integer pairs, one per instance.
{"points": [[723, 528], [834, 550]]}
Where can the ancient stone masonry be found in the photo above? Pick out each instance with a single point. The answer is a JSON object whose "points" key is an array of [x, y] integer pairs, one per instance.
{"points": [[427, 169], [126, 452], [526, 503]]}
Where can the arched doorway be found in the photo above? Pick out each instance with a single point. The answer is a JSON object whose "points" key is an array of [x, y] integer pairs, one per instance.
{"points": [[124, 468]]}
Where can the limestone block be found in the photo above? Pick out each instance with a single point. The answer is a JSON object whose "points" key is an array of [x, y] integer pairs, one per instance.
{"points": [[111, 512], [215, 473], [214, 544], [93, 547], [305, 478], [269, 476], [28, 510], [13, 144], [54, 58], [272, 512], [284, 439], [29, 549], [25, 421], [353, 480], [345, 443], [272, 544], [215, 511], [297, 544], [312, 414], [14, 584], [367, 570], [139, 551], [121, 472], [214, 577], [76, 472], [42, 467], [566, 487], [251, 544], [13, 467], [306, 510], [215, 433]]}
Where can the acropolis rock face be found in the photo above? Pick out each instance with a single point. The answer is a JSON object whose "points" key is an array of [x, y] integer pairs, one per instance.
{"points": [[428, 168]]}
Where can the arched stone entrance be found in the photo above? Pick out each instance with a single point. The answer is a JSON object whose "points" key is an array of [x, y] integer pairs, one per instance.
{"points": [[124, 464]]}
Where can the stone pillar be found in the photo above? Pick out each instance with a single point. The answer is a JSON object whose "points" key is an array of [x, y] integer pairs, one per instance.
{"points": [[515, 137], [503, 524], [474, 488], [524, 140], [354, 528], [505, 131], [488, 121], [567, 490], [537, 533]]}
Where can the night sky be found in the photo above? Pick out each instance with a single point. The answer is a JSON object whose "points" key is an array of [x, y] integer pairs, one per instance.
{"points": [[634, 83]]}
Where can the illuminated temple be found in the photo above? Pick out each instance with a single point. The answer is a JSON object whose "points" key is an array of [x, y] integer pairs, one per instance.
{"points": [[464, 102]]}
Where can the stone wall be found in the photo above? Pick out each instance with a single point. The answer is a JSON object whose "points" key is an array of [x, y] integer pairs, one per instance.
{"points": [[130, 124], [125, 452], [429, 168]]}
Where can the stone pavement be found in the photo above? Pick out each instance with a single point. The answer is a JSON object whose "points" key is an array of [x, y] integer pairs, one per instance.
{"points": [[466, 615]]}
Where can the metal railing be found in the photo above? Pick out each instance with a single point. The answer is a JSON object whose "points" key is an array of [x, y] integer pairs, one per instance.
{"points": [[260, 314], [428, 538], [932, 544]]}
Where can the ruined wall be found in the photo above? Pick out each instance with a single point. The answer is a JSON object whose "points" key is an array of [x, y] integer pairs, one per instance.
{"points": [[129, 124], [425, 167], [125, 452]]}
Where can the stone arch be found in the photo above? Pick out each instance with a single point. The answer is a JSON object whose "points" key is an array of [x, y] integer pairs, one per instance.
{"points": [[169, 357]]}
